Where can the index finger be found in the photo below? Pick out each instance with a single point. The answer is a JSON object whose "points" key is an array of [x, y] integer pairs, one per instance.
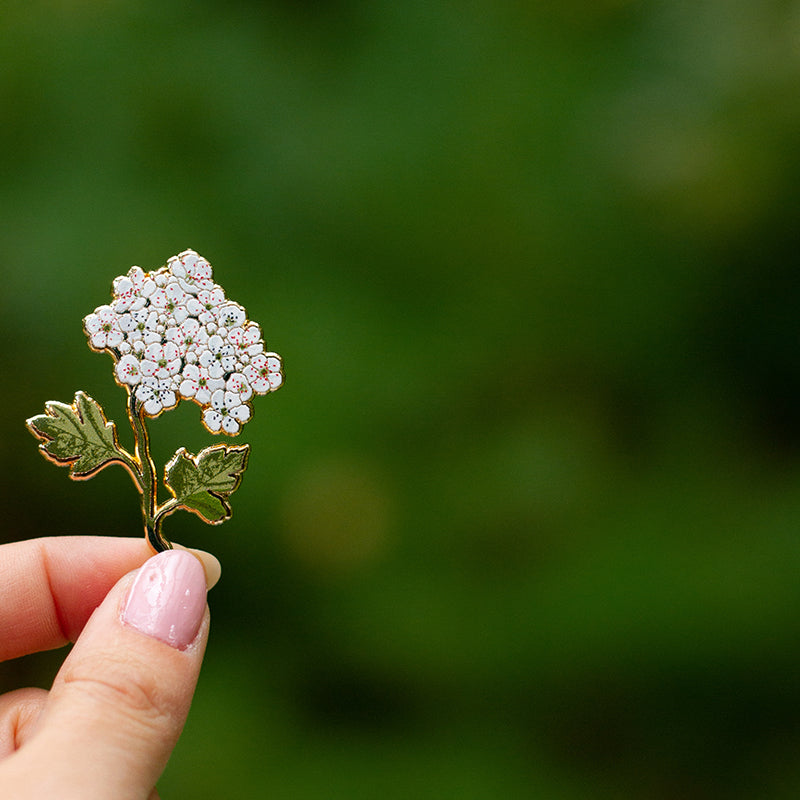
{"points": [[50, 586]]}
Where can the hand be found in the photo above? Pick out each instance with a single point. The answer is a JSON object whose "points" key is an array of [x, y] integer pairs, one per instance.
{"points": [[117, 706]]}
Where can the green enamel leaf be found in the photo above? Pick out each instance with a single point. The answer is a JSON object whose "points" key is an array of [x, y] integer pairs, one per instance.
{"points": [[202, 483], [78, 436], [208, 506]]}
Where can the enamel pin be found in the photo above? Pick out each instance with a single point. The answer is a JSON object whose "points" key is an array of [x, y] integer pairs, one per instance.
{"points": [[173, 335]]}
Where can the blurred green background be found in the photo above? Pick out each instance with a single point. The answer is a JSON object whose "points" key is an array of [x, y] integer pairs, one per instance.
{"points": [[525, 519]]}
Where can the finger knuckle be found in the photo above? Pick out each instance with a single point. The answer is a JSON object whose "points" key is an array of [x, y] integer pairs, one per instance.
{"points": [[129, 690]]}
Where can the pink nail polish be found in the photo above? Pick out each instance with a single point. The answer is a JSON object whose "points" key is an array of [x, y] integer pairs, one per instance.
{"points": [[168, 598]]}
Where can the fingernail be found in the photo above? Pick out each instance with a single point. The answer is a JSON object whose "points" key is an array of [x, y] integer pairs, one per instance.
{"points": [[211, 565], [168, 598]]}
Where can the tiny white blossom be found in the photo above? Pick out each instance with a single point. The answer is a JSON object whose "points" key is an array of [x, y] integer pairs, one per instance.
{"points": [[198, 385], [161, 360], [247, 341], [264, 373], [192, 271], [218, 357], [132, 290], [209, 301], [237, 383], [231, 315], [227, 413], [189, 335], [156, 395], [141, 324], [103, 328], [170, 300], [128, 370], [199, 273]]}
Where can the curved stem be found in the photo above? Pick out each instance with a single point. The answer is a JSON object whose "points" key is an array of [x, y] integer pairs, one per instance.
{"points": [[152, 520], [162, 511]]}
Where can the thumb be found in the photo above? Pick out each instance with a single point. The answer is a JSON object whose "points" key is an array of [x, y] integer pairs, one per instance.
{"points": [[120, 700]]}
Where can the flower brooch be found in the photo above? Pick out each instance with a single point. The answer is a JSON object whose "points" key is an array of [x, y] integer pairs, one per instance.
{"points": [[173, 335]]}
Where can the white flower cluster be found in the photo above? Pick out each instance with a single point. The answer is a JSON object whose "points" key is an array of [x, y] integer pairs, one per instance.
{"points": [[174, 334]]}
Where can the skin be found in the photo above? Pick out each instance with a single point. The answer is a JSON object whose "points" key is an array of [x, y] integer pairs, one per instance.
{"points": [[116, 708]]}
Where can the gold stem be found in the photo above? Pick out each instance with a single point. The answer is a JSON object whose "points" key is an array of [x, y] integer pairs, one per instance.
{"points": [[152, 521]]}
